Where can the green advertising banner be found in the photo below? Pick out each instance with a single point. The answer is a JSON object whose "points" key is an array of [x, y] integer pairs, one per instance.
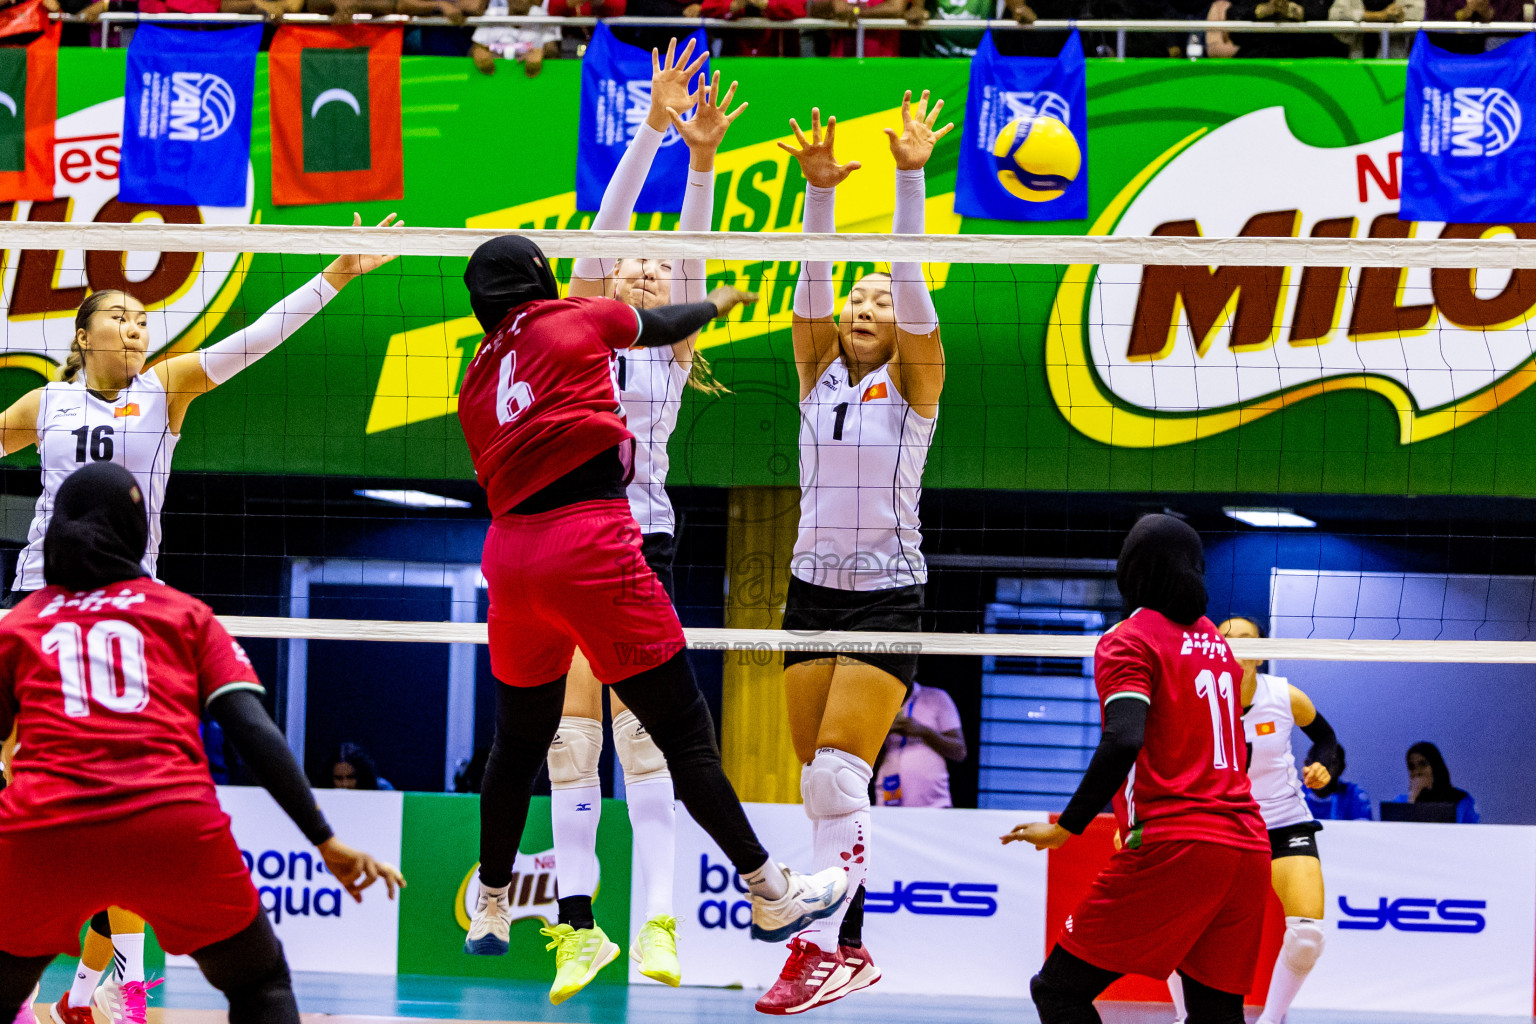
{"points": [[435, 907], [1085, 378]]}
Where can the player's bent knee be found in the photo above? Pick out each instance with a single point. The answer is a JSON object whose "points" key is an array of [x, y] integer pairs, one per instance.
{"points": [[836, 784], [1304, 942], [639, 755], [575, 753]]}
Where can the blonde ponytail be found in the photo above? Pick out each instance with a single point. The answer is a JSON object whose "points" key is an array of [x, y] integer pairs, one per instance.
{"points": [[76, 361]]}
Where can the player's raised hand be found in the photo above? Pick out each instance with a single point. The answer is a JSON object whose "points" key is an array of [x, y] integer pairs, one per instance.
{"points": [[356, 870], [1042, 835], [344, 268], [669, 83], [817, 164], [727, 298], [713, 117], [1316, 776], [915, 143]]}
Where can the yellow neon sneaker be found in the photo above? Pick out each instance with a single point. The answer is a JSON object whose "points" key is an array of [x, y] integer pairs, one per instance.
{"points": [[579, 955], [655, 950]]}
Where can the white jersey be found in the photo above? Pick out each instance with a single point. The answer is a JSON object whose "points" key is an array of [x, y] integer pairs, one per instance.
{"points": [[1272, 775], [862, 452], [650, 383], [75, 427]]}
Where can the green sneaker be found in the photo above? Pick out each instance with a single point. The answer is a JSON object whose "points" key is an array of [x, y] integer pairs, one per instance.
{"points": [[579, 955], [655, 950]]}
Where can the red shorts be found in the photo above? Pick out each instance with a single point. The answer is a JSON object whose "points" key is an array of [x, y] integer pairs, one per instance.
{"points": [[574, 577], [1190, 906], [176, 866]]}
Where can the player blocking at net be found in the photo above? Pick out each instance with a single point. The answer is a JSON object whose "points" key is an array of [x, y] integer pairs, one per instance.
{"points": [[562, 559], [1186, 890], [107, 407], [870, 383], [107, 674], [650, 383]]}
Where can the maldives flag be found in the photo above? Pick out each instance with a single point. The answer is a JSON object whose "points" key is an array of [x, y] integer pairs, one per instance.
{"points": [[335, 97], [29, 62]]}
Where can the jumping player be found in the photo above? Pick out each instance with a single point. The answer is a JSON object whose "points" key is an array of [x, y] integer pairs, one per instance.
{"points": [[541, 414], [107, 674], [1187, 889], [870, 382], [1272, 708], [650, 382], [106, 408]]}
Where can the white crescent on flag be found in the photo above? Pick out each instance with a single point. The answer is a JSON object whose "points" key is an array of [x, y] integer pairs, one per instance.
{"points": [[5, 99], [330, 96]]}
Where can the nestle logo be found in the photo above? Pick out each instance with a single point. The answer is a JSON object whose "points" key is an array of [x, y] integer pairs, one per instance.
{"points": [[1414, 915]]}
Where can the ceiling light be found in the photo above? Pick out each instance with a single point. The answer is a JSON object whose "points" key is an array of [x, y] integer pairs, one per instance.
{"points": [[414, 499], [1281, 518]]}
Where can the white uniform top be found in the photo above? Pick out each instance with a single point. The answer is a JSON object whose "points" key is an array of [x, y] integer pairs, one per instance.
{"points": [[862, 452], [650, 383], [1272, 775], [75, 427]]}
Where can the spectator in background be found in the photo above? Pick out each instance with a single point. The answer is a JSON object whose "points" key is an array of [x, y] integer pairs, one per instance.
{"points": [[914, 764], [1472, 11], [527, 44], [1284, 45], [756, 43], [1374, 13], [877, 43], [959, 42], [353, 768], [649, 38], [1429, 782], [1339, 800]]}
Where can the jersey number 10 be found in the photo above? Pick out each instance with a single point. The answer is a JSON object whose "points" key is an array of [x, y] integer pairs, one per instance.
{"points": [[1218, 693], [113, 654]]}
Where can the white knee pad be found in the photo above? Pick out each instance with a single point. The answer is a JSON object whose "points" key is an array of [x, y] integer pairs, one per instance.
{"points": [[835, 785], [1304, 942], [638, 753], [575, 752]]}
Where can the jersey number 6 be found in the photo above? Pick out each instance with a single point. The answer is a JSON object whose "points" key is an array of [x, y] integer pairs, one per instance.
{"points": [[113, 652]]}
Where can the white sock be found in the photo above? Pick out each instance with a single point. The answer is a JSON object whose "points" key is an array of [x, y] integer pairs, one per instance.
{"points": [[653, 816], [84, 985], [128, 953], [767, 881], [1298, 955], [1176, 990], [840, 841], [576, 813]]}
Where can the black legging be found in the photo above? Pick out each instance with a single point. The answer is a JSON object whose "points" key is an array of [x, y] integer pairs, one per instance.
{"points": [[1067, 985], [248, 968], [669, 705]]}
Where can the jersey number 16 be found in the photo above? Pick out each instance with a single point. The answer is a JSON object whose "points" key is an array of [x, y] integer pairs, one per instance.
{"points": [[99, 442]]}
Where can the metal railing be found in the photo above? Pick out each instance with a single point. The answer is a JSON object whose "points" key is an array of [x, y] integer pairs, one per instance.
{"points": [[1121, 27]]}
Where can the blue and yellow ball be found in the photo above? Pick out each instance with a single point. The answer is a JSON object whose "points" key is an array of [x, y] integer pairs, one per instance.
{"points": [[1037, 158]]}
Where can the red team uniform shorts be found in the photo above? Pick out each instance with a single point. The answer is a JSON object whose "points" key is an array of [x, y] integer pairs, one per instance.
{"points": [[574, 577], [1175, 905], [175, 865]]}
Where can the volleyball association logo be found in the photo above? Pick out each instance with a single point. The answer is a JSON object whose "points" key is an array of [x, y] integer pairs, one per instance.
{"points": [[187, 106]]}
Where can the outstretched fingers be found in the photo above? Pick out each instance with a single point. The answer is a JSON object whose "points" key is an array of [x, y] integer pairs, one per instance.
{"points": [[933, 115], [943, 131]]}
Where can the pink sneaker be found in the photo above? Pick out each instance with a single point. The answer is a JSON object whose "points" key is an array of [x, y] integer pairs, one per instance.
{"points": [[810, 977], [127, 1003], [25, 1014]]}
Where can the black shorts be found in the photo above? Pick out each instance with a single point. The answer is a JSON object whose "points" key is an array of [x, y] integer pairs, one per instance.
{"points": [[810, 610], [659, 551], [1295, 840]]}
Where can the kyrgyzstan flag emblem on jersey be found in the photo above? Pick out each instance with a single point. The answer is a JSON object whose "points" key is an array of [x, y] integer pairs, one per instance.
{"points": [[1265, 728], [131, 409], [874, 391], [29, 61], [335, 97]]}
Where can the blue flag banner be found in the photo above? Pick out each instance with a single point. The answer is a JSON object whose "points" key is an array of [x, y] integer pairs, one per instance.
{"points": [[615, 97], [187, 115], [1465, 157], [1004, 89]]}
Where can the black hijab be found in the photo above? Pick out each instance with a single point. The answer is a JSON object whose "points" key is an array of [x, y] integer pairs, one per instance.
{"points": [[1440, 791], [1162, 567], [98, 530], [503, 274]]}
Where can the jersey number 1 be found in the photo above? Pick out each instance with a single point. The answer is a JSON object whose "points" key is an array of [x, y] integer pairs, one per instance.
{"points": [[109, 669], [1218, 693]]}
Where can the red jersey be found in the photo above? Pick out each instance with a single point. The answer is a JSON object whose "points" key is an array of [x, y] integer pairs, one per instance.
{"points": [[108, 689], [539, 398], [1190, 781]]}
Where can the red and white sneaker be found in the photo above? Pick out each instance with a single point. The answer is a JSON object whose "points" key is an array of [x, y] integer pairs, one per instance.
{"points": [[63, 1013], [861, 964], [810, 977]]}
